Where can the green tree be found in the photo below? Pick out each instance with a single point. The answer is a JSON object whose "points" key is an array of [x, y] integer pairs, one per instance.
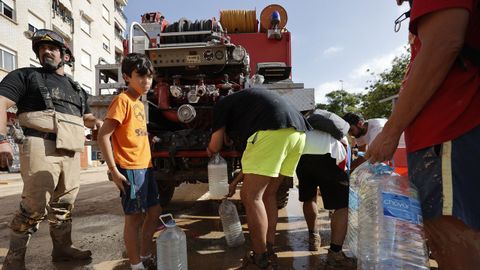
{"points": [[340, 102], [385, 85]]}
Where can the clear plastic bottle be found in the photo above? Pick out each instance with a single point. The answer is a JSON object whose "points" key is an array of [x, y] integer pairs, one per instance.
{"points": [[217, 177], [171, 246], [356, 178], [390, 230], [232, 228]]}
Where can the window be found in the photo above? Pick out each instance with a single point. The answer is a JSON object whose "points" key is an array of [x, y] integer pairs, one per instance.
{"points": [[7, 59], [118, 57], [106, 43], [6, 8], [32, 28], [34, 23], [118, 31], [105, 13], [85, 25], [86, 59]]}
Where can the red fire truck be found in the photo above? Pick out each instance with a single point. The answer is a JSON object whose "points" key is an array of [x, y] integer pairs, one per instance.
{"points": [[196, 62]]}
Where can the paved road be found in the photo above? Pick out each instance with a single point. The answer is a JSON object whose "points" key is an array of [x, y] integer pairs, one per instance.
{"points": [[98, 225]]}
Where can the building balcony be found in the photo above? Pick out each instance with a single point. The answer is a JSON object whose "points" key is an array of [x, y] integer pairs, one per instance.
{"points": [[119, 12], [118, 43], [64, 24], [62, 18]]}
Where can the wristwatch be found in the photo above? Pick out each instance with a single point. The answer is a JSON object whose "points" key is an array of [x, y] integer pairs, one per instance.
{"points": [[3, 137]]}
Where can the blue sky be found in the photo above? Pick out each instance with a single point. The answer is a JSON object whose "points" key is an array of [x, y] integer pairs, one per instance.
{"points": [[332, 40]]}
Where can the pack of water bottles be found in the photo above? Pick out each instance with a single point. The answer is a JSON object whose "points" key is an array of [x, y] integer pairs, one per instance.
{"points": [[385, 228]]}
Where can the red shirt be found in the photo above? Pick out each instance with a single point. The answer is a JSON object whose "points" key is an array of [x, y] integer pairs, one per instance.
{"points": [[454, 109]]}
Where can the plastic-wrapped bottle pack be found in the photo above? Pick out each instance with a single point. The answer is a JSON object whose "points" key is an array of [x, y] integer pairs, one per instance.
{"points": [[389, 228]]}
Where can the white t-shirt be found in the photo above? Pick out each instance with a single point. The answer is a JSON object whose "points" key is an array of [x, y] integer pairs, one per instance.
{"points": [[375, 126], [321, 143]]}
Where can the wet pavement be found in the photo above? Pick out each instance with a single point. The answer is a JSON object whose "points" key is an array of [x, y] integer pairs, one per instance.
{"points": [[98, 226]]}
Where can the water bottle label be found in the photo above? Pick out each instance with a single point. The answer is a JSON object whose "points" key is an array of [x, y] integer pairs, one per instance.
{"points": [[416, 211], [353, 200], [401, 207]]}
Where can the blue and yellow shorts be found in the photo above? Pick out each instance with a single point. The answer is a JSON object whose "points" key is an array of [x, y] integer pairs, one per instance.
{"points": [[447, 178]]}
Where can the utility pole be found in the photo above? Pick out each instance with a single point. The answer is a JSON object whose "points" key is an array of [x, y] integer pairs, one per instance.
{"points": [[343, 96]]}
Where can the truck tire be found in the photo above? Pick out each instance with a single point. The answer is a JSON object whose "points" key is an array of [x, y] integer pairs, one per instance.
{"points": [[166, 194], [283, 191]]}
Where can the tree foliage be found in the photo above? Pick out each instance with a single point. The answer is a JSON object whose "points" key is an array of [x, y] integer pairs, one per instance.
{"points": [[341, 102], [387, 84], [384, 85]]}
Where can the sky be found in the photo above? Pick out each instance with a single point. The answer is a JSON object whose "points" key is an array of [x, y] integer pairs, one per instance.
{"points": [[334, 42]]}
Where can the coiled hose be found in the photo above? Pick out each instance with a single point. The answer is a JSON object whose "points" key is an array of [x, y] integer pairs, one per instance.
{"points": [[239, 21]]}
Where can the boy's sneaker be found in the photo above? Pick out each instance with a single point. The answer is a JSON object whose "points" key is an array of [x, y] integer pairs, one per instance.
{"points": [[150, 263], [340, 260], [314, 241]]}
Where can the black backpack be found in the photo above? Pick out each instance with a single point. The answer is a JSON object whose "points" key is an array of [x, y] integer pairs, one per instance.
{"points": [[329, 122]]}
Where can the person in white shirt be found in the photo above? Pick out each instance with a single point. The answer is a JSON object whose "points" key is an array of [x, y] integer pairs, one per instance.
{"points": [[364, 131], [322, 165]]}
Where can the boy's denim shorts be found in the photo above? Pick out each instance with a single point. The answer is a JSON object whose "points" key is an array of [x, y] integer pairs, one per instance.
{"points": [[448, 178], [142, 193]]}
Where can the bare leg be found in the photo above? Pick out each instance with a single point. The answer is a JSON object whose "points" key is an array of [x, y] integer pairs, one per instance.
{"points": [[454, 245], [270, 201], [130, 235], [149, 224], [310, 212], [339, 225], [252, 193]]}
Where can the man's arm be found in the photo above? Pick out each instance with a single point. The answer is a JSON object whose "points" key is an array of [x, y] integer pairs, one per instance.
{"points": [[105, 145], [216, 141], [6, 153], [91, 121], [442, 34]]}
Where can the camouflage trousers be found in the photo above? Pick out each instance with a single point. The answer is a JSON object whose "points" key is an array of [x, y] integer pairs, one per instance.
{"points": [[51, 179]]}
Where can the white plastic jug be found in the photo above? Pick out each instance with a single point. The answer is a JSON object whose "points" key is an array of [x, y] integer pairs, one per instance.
{"points": [[232, 228], [171, 246], [217, 177]]}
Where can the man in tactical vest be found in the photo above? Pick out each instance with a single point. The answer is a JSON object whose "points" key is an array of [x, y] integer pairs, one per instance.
{"points": [[52, 110]]}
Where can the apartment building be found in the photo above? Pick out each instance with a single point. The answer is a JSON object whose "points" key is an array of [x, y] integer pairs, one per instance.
{"points": [[94, 30]]}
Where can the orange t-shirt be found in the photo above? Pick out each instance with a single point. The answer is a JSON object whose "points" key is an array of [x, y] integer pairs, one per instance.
{"points": [[131, 148]]}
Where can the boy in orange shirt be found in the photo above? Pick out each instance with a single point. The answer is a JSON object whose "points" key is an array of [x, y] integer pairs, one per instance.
{"points": [[130, 163]]}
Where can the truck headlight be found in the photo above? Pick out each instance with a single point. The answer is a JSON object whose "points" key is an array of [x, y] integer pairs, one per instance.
{"points": [[238, 53]]}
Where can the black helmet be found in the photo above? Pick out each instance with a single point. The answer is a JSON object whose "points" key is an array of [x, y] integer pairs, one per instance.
{"points": [[47, 36]]}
